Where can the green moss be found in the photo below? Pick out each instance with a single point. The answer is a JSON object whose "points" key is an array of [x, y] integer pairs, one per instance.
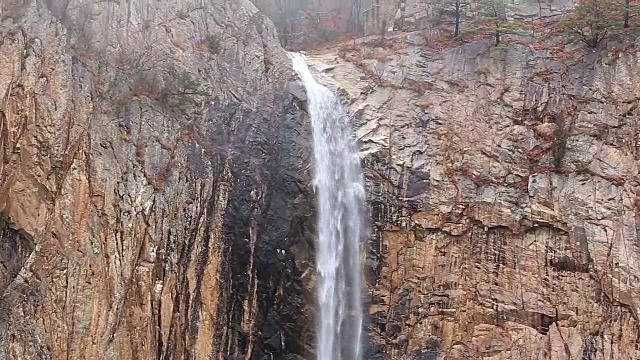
{"points": [[5, 220], [86, 318], [213, 44], [560, 137], [189, 85]]}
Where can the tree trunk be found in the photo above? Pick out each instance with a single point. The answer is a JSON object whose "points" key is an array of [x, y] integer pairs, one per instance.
{"points": [[497, 23], [456, 31], [626, 14], [355, 27], [58, 7]]}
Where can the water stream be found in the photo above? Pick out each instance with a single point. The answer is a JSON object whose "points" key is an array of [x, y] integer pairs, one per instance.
{"points": [[338, 183]]}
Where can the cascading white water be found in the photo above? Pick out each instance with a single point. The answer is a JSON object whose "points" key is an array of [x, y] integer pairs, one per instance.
{"points": [[338, 182]]}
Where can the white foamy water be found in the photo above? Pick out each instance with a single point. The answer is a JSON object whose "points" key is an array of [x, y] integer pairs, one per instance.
{"points": [[339, 185]]}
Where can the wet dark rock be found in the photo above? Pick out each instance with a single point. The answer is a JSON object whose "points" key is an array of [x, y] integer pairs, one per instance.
{"points": [[15, 247]]}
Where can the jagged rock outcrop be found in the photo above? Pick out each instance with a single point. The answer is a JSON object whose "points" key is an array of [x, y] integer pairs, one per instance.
{"points": [[503, 185], [153, 184]]}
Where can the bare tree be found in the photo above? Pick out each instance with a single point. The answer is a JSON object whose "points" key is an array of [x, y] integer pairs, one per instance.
{"points": [[58, 7], [458, 12], [355, 25], [379, 69]]}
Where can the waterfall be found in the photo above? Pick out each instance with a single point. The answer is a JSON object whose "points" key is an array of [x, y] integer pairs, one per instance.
{"points": [[338, 183]]}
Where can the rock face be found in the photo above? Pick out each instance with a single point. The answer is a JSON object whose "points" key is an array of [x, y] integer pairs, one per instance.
{"points": [[153, 185], [155, 190], [503, 186], [439, 15]]}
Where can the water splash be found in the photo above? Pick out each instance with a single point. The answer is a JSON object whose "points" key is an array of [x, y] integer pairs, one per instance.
{"points": [[338, 182]]}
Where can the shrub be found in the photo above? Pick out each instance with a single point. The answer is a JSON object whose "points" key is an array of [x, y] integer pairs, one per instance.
{"points": [[188, 85], [593, 20], [560, 137], [211, 44]]}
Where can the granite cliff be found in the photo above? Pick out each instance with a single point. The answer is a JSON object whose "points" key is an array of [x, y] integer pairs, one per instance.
{"points": [[156, 202], [503, 185], [153, 184]]}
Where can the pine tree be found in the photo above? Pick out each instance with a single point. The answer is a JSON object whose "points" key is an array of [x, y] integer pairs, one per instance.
{"points": [[450, 10], [630, 9], [592, 20], [491, 17]]}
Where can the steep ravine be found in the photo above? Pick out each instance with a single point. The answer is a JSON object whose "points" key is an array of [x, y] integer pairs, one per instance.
{"points": [[503, 185], [154, 184]]}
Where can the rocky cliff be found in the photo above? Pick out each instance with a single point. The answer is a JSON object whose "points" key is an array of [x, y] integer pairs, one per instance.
{"points": [[155, 190], [153, 184], [503, 185]]}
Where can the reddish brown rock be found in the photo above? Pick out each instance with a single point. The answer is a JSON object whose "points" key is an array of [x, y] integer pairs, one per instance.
{"points": [[143, 201], [503, 206]]}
